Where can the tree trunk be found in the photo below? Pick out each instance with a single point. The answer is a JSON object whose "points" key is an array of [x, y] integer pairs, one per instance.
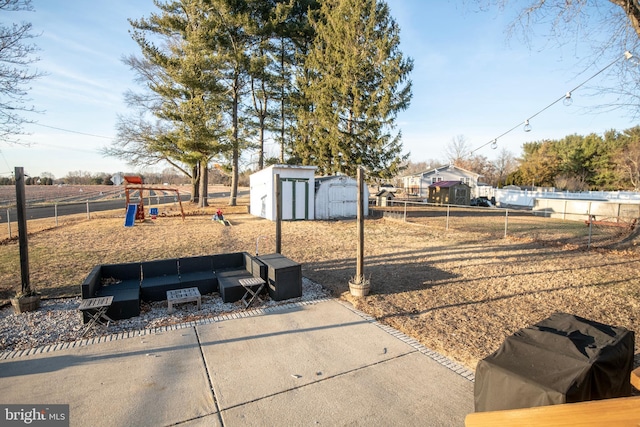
{"points": [[632, 10], [204, 184], [261, 150], [195, 180], [233, 195], [282, 106]]}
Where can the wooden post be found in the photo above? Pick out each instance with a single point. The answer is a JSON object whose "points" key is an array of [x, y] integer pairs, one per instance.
{"points": [[21, 207], [447, 221], [506, 222], [360, 222], [276, 183], [591, 219]]}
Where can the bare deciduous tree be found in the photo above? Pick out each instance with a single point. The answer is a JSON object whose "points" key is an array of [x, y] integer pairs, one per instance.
{"points": [[607, 28], [16, 56], [458, 150]]}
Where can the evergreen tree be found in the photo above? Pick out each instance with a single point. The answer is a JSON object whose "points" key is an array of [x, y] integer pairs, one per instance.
{"points": [[627, 159], [182, 76], [353, 83], [292, 39], [539, 165]]}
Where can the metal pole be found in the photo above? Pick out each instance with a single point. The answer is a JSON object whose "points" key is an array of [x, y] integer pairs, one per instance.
{"points": [[405, 211], [9, 223], [506, 221], [88, 217]]}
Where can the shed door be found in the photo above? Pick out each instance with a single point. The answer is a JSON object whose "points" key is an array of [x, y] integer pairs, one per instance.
{"points": [[461, 195], [295, 198], [342, 201]]}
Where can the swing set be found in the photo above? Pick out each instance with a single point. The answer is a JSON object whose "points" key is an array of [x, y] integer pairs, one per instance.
{"points": [[135, 211]]}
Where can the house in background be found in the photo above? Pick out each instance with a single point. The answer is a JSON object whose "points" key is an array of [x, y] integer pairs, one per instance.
{"points": [[418, 184], [449, 193]]}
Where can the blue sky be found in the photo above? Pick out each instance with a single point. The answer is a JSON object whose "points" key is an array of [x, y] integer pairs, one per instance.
{"points": [[468, 80]]}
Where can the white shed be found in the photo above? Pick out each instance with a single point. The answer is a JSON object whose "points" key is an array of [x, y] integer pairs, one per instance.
{"points": [[337, 197], [296, 186]]}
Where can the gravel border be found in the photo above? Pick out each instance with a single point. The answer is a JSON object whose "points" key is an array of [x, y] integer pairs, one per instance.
{"points": [[58, 321], [57, 324]]}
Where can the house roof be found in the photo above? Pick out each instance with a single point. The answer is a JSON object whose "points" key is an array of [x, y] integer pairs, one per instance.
{"points": [[446, 184], [441, 168]]}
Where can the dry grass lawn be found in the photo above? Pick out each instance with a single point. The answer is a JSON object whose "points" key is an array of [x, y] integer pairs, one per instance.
{"points": [[459, 293]]}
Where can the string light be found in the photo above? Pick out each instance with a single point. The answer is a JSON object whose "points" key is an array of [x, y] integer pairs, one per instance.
{"points": [[566, 98]]}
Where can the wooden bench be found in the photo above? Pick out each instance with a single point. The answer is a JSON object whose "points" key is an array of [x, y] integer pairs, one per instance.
{"points": [[623, 411]]}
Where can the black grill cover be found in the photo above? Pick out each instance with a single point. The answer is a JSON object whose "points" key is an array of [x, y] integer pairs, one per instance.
{"points": [[562, 359]]}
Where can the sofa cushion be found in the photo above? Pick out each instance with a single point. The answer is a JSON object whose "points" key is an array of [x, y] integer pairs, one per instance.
{"points": [[229, 283], [126, 300], [198, 272], [227, 261], [205, 281], [158, 277], [91, 283], [196, 263], [127, 271], [159, 268]]}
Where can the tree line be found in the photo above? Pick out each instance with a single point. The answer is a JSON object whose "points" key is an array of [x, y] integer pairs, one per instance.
{"points": [[580, 163], [219, 79], [574, 163]]}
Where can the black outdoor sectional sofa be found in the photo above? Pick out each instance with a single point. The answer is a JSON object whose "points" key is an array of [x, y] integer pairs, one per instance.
{"points": [[129, 283]]}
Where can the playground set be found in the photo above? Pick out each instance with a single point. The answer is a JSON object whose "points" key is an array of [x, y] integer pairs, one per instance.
{"points": [[135, 211]]}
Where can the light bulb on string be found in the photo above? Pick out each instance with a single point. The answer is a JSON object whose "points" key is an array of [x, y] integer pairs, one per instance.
{"points": [[632, 58], [568, 100]]}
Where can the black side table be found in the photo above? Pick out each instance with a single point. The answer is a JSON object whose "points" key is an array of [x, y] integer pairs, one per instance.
{"points": [[284, 277]]}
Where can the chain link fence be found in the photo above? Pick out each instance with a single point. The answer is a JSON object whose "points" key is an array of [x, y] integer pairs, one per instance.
{"points": [[514, 223]]}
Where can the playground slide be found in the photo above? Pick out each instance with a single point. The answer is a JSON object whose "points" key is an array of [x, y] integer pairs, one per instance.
{"points": [[130, 218]]}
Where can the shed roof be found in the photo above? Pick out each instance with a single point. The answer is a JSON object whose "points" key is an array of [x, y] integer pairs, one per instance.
{"points": [[385, 193], [446, 184], [131, 179]]}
